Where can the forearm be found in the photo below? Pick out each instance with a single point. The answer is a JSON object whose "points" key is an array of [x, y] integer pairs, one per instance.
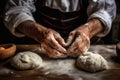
{"points": [[31, 29], [92, 27], [95, 26]]}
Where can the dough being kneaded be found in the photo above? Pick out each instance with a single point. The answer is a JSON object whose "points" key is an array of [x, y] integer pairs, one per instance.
{"points": [[91, 62], [26, 60]]}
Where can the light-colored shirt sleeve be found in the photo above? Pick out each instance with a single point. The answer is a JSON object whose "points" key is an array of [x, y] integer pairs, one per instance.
{"points": [[105, 11], [18, 11]]}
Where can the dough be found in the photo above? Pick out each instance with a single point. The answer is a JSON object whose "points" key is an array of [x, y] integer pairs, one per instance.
{"points": [[26, 60], [91, 62]]}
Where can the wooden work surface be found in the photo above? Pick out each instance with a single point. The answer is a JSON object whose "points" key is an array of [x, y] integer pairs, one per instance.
{"points": [[63, 69]]}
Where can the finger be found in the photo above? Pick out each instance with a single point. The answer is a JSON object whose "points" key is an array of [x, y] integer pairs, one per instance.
{"points": [[82, 43], [58, 54], [86, 43], [52, 52], [51, 41], [70, 38], [74, 47], [60, 40], [54, 44], [87, 39]]}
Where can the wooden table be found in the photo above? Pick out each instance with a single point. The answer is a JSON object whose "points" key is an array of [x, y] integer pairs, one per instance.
{"points": [[63, 69]]}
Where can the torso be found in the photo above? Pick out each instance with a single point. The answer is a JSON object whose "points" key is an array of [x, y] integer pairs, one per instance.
{"points": [[61, 15]]}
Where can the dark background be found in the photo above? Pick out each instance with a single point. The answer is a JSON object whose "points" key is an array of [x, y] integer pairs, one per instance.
{"points": [[112, 38]]}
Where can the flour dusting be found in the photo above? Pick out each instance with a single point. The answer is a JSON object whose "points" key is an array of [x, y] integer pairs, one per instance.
{"points": [[65, 67]]}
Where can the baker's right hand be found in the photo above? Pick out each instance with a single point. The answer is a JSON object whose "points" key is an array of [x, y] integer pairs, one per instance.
{"points": [[53, 44], [50, 41]]}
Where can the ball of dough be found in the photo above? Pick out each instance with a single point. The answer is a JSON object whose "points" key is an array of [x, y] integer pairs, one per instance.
{"points": [[91, 62], [26, 60]]}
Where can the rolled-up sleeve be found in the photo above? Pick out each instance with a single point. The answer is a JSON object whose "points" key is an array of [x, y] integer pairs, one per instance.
{"points": [[105, 11], [16, 12]]}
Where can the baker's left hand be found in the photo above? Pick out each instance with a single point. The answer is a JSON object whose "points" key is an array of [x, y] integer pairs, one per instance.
{"points": [[78, 41]]}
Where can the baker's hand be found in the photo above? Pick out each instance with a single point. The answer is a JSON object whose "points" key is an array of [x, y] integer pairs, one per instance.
{"points": [[53, 44], [51, 41], [78, 42]]}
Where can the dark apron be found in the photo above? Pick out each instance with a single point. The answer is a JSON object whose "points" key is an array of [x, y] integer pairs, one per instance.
{"points": [[60, 24]]}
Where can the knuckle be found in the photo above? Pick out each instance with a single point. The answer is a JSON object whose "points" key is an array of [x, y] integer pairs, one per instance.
{"points": [[72, 33]]}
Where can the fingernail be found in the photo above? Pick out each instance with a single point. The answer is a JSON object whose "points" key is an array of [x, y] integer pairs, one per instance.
{"points": [[64, 50]]}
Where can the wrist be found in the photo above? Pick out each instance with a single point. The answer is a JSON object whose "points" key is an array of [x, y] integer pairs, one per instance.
{"points": [[85, 29], [94, 26], [91, 28]]}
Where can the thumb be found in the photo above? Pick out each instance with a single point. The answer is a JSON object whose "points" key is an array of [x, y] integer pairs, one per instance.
{"points": [[70, 38], [60, 40]]}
